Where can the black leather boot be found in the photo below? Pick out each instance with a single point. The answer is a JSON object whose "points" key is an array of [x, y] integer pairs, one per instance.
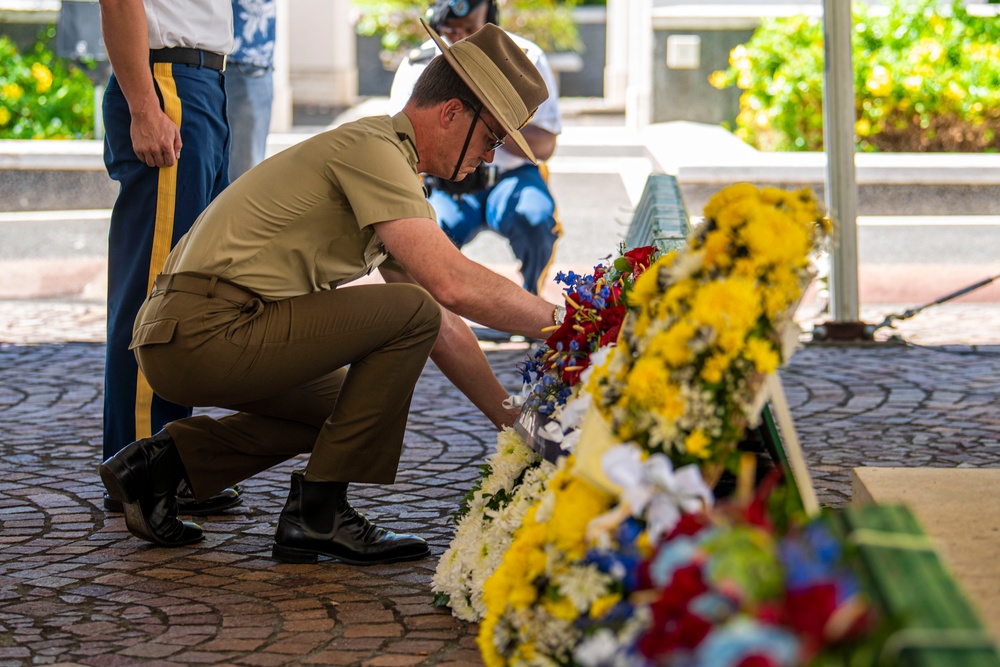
{"points": [[144, 478], [318, 519]]}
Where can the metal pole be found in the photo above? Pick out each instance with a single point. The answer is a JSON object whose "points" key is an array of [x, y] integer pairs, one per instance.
{"points": [[841, 184]]}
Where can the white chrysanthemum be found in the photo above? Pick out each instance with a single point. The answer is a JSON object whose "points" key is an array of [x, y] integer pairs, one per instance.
{"points": [[582, 584], [598, 650], [545, 508]]}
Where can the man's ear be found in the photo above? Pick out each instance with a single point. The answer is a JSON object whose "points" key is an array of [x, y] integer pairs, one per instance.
{"points": [[450, 111]]}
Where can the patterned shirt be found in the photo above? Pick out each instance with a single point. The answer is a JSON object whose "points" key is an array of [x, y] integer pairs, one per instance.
{"points": [[253, 32]]}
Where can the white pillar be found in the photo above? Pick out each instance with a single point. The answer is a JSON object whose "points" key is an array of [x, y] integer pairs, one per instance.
{"points": [[838, 136], [639, 89], [323, 69], [281, 109], [616, 58]]}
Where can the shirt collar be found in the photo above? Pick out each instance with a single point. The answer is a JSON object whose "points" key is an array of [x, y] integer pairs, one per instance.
{"points": [[404, 130]]}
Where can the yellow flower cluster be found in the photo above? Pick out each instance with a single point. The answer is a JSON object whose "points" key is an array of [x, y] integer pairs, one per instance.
{"points": [[709, 324], [523, 595], [42, 76]]}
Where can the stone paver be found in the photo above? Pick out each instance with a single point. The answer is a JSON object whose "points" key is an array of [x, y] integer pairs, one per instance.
{"points": [[76, 588]]}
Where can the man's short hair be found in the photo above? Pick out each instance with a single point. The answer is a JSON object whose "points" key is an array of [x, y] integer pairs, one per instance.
{"points": [[439, 83]]}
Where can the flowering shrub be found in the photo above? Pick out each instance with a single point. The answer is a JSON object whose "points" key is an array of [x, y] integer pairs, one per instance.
{"points": [[927, 78], [712, 321], [548, 23], [42, 96]]}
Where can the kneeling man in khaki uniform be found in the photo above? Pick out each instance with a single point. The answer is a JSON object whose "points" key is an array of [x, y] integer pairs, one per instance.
{"points": [[247, 314]]}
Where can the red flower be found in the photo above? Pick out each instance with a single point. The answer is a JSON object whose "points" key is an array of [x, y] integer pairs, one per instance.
{"points": [[639, 259], [807, 610], [683, 632], [611, 324], [757, 661], [690, 524]]}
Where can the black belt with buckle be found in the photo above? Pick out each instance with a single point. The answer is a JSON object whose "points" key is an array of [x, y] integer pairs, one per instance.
{"points": [[185, 56]]}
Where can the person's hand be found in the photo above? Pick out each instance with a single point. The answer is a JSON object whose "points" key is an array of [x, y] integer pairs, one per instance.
{"points": [[156, 140]]}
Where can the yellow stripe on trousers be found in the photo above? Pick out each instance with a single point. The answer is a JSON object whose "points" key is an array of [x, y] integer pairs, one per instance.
{"points": [[163, 231]]}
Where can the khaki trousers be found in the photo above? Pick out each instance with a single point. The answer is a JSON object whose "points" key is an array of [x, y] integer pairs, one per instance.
{"points": [[331, 373]]}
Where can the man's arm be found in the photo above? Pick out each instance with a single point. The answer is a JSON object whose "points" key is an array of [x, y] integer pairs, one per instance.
{"points": [[457, 353], [156, 139], [542, 143], [462, 286]]}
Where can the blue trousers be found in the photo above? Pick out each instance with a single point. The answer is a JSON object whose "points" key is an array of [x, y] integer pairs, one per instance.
{"points": [[519, 207], [250, 91], [154, 208]]}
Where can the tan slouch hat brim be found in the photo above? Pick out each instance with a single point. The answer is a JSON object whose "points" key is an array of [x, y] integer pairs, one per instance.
{"points": [[500, 75]]}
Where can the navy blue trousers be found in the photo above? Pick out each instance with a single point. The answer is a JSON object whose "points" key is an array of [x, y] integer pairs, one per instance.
{"points": [[154, 208]]}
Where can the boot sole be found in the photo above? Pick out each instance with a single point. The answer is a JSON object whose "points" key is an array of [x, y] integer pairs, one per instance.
{"points": [[137, 525], [122, 486], [295, 555]]}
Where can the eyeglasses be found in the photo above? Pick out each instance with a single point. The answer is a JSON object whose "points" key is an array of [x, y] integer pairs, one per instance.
{"points": [[497, 141]]}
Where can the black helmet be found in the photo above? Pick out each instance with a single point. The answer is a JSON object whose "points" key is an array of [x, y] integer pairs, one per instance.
{"points": [[443, 10]]}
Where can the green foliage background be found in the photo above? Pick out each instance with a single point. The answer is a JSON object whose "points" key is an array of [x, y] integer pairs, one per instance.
{"points": [[548, 23], [927, 78], [43, 96]]}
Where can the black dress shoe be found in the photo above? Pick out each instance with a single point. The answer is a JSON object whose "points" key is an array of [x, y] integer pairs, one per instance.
{"points": [[186, 503], [144, 477], [318, 519]]}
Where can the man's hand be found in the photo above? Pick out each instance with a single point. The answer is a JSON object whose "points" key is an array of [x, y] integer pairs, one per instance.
{"points": [[156, 140]]}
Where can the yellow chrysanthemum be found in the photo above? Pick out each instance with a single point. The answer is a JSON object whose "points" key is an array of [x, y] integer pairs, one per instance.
{"points": [[561, 608], [696, 444], [576, 505], [649, 388], [4, 115], [762, 354], [715, 366], [728, 196], [674, 345], [730, 304], [716, 247]]}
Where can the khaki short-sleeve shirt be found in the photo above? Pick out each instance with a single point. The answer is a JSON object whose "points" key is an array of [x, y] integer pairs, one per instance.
{"points": [[301, 221]]}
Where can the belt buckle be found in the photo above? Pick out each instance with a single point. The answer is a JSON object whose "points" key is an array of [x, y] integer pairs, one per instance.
{"points": [[225, 59]]}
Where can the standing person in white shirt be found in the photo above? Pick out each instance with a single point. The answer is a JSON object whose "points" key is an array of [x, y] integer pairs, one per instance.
{"points": [[167, 144], [510, 195]]}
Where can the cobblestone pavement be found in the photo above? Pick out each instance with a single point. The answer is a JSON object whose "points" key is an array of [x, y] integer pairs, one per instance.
{"points": [[76, 588]]}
